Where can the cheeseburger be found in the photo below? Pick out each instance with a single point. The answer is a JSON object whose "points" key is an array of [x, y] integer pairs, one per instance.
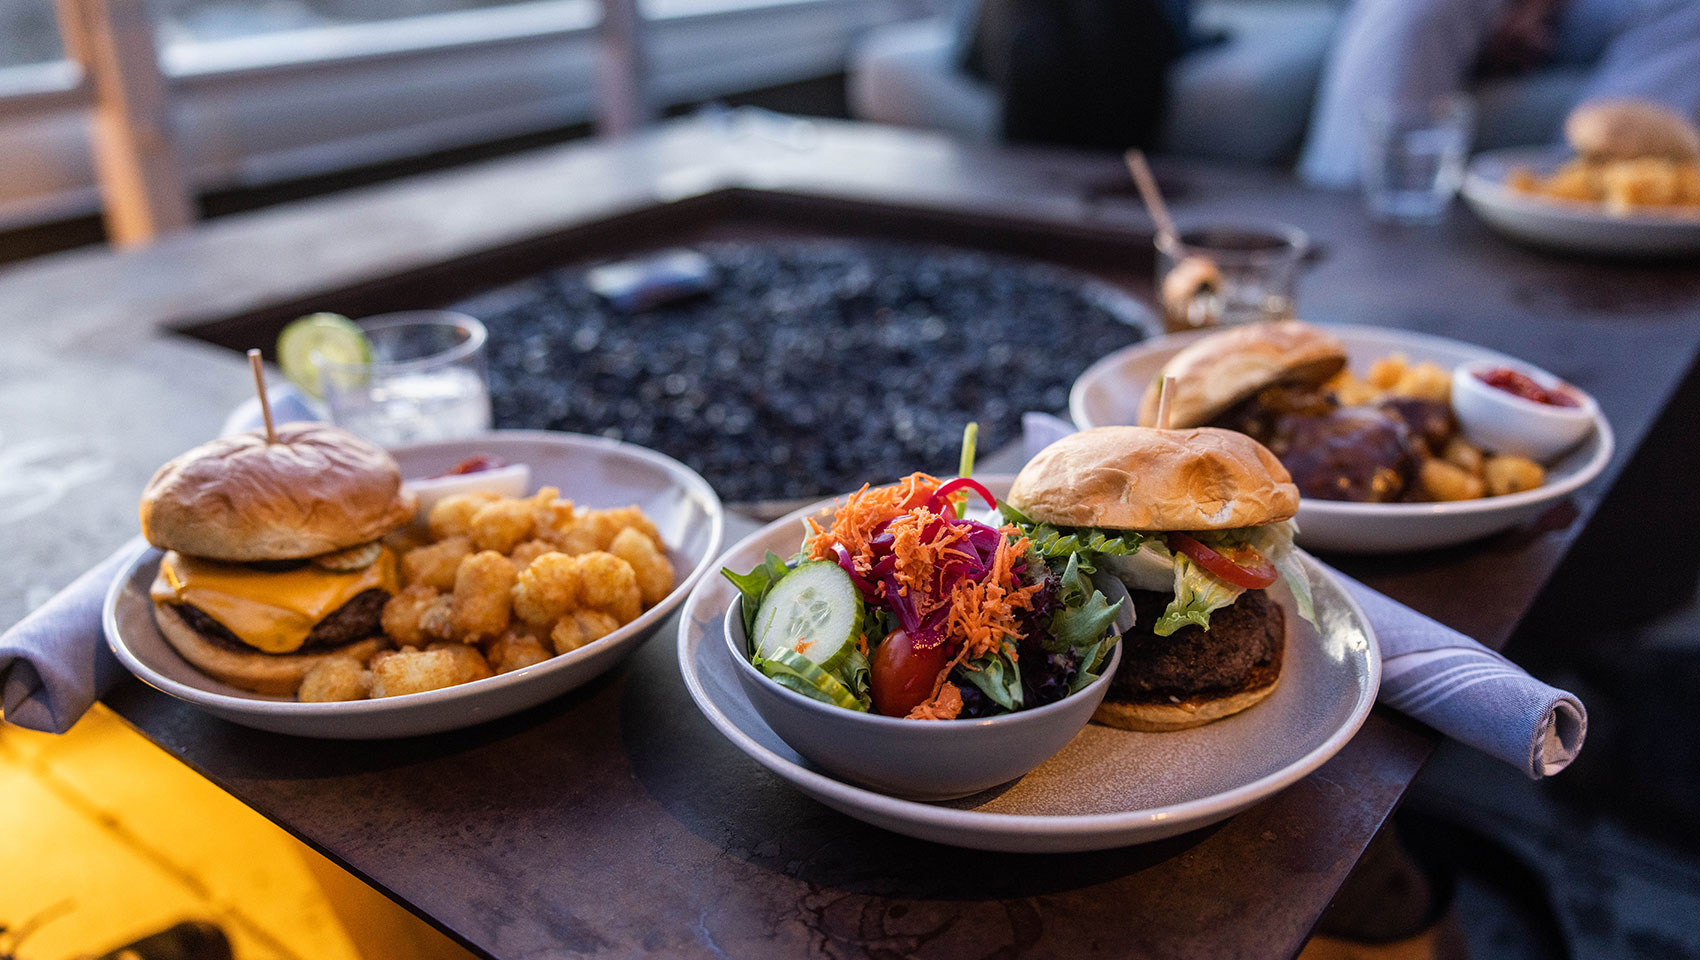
{"points": [[1196, 523], [273, 557]]}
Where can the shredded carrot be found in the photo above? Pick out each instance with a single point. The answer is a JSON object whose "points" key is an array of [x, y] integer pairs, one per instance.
{"points": [[984, 613], [946, 704], [802, 645], [862, 513]]}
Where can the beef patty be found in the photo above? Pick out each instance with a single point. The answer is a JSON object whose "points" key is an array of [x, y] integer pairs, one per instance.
{"points": [[355, 620], [1241, 651]]}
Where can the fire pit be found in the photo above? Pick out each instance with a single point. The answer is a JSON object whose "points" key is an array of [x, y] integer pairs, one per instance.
{"points": [[812, 366]]}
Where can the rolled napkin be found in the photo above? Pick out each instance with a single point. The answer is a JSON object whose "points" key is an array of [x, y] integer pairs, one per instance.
{"points": [[55, 662], [1432, 673]]}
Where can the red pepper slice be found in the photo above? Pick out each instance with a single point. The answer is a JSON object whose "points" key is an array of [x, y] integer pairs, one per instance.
{"points": [[1255, 576], [941, 497]]}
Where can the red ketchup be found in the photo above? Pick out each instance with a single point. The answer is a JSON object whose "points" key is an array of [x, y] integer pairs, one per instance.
{"points": [[477, 464], [1521, 385]]}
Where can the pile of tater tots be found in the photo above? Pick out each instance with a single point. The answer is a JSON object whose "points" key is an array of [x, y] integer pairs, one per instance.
{"points": [[500, 584]]}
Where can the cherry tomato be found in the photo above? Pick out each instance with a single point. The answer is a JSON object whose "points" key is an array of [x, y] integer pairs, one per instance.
{"points": [[902, 674], [1250, 571]]}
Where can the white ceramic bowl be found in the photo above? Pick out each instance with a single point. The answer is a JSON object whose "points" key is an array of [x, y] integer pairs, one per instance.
{"points": [[914, 759], [1571, 227], [1506, 423], [593, 471], [1110, 390], [513, 480]]}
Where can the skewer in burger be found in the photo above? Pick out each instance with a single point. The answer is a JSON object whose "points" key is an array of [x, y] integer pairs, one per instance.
{"points": [[273, 557], [1197, 524]]}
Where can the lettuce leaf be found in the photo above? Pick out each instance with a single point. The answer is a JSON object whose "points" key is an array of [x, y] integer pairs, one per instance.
{"points": [[1085, 614], [1055, 543], [1275, 542], [997, 676], [1198, 593], [754, 587]]}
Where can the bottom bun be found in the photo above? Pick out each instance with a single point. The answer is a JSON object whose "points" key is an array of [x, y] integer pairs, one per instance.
{"points": [[1191, 712], [278, 674]]}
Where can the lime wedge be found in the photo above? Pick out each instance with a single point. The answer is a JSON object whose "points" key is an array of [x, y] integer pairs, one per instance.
{"points": [[311, 341]]}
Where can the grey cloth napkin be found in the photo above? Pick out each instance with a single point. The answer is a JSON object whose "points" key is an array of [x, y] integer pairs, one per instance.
{"points": [[55, 662], [1435, 674]]}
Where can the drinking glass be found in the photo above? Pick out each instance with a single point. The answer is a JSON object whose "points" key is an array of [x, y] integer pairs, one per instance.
{"points": [[427, 380], [1414, 156], [1229, 273]]}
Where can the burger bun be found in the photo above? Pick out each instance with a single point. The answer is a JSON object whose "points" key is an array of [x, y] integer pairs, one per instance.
{"points": [[1218, 371]]}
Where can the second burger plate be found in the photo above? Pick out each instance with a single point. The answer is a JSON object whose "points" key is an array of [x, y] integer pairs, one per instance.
{"points": [[1107, 788]]}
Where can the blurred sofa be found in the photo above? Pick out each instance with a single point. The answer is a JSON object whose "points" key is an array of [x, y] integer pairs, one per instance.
{"points": [[1262, 70]]}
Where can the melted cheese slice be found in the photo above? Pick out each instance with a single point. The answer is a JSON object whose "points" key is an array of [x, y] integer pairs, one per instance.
{"points": [[272, 612]]}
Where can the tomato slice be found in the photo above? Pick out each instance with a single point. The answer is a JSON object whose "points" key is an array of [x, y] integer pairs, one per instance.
{"points": [[902, 674], [1252, 576]]}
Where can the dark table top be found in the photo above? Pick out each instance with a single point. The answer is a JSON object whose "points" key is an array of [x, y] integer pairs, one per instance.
{"points": [[614, 820]]}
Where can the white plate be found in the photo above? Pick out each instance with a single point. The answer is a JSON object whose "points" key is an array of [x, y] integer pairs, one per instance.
{"points": [[593, 471], [1576, 228], [1107, 788], [1109, 392]]}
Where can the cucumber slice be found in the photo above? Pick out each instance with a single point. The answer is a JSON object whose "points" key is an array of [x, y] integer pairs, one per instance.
{"points": [[794, 671], [814, 607], [311, 340]]}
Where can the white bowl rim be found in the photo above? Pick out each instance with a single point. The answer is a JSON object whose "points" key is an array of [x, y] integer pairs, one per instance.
{"points": [[1481, 187], [1587, 409], [1015, 824], [881, 721], [262, 706], [1554, 490]]}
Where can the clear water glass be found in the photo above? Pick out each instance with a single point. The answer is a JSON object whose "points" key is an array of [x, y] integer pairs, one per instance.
{"points": [[1229, 273], [427, 380], [1414, 156]]}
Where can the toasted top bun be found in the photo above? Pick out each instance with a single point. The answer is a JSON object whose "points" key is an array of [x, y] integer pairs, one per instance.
{"points": [[241, 499], [1630, 129], [1140, 478], [1224, 368]]}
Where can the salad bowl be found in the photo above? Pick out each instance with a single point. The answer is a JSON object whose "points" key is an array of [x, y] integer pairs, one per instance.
{"points": [[919, 760]]}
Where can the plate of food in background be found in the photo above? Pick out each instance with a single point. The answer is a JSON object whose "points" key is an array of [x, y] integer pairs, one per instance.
{"points": [[1247, 667], [297, 585], [1398, 441], [1627, 185]]}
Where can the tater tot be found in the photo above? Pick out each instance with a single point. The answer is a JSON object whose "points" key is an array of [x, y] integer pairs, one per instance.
{"points": [[403, 611], [413, 671], [436, 620], [578, 536], [550, 512], [468, 660], [452, 515], [1464, 455], [547, 589], [620, 518], [528, 551], [335, 678], [1504, 475], [610, 584], [581, 627], [435, 566], [654, 571], [1425, 381], [1444, 481], [482, 595], [1384, 373], [501, 525], [515, 651]]}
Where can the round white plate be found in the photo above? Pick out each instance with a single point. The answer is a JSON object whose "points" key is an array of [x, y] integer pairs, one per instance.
{"points": [[1107, 788], [1109, 392], [1572, 227], [592, 471]]}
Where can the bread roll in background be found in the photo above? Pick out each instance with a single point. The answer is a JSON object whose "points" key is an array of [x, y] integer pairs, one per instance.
{"points": [[1629, 129]]}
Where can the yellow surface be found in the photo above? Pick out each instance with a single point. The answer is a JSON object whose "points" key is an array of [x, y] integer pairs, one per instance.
{"points": [[135, 841]]}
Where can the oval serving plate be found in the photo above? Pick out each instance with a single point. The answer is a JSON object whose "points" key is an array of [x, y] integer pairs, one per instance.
{"points": [[1571, 227], [1109, 391], [1107, 788], [593, 471]]}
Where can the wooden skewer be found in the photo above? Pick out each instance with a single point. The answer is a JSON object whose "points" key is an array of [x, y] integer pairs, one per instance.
{"points": [[1148, 191], [260, 386], [1163, 395]]}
